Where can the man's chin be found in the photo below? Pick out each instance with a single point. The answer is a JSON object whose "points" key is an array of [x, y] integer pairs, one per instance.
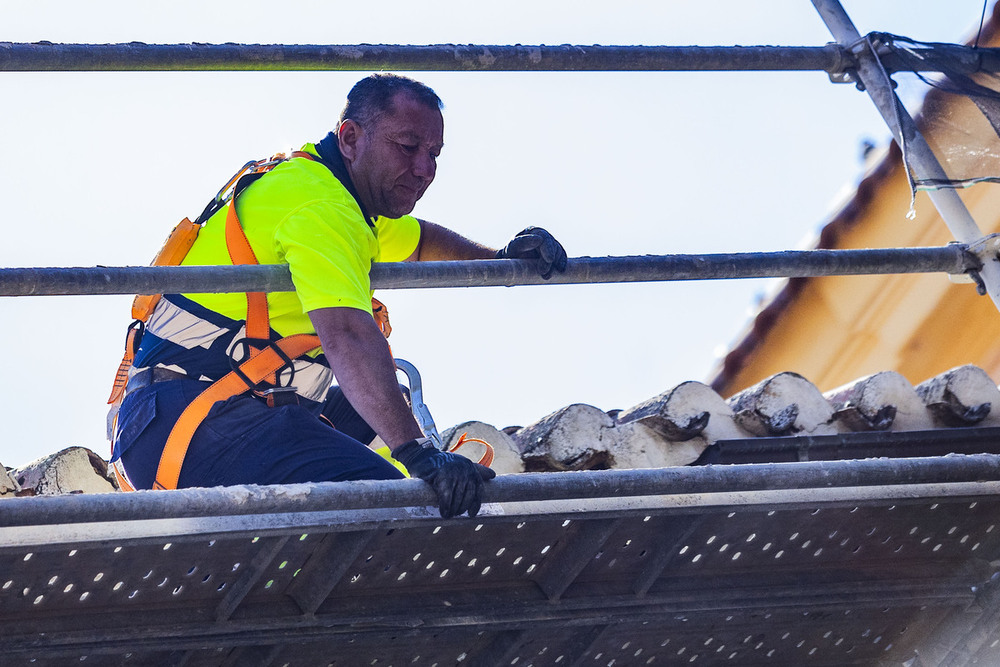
{"points": [[399, 209]]}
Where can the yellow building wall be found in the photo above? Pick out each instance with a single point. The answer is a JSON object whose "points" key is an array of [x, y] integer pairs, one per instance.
{"points": [[836, 330], [839, 329]]}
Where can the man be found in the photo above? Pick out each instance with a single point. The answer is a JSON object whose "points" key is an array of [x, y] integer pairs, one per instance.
{"points": [[328, 213]]}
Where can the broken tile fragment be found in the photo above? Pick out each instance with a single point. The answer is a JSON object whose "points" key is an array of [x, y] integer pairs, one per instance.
{"points": [[962, 396], [573, 438], [639, 446], [72, 470], [879, 402], [8, 485], [783, 404], [677, 414], [689, 410]]}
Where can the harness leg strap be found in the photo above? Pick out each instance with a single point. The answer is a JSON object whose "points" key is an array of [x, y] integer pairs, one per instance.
{"points": [[256, 369]]}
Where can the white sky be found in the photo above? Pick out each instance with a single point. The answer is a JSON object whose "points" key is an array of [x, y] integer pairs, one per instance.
{"points": [[99, 166]]}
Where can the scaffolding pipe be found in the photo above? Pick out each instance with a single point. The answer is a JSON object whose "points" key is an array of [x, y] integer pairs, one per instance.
{"points": [[953, 259], [917, 153], [136, 56], [584, 485]]}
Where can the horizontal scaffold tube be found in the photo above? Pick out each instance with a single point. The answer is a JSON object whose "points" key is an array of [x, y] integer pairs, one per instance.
{"points": [[136, 56], [587, 485], [953, 258]]}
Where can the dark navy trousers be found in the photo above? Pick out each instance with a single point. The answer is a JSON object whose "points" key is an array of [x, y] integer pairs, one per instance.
{"points": [[243, 441]]}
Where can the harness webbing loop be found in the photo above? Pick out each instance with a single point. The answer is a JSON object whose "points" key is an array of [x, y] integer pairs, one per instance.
{"points": [[264, 358], [263, 362]]}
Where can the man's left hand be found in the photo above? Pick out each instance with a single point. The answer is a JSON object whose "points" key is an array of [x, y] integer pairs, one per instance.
{"points": [[537, 244]]}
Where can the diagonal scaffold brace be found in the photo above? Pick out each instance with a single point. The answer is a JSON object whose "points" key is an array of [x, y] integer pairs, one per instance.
{"points": [[918, 155]]}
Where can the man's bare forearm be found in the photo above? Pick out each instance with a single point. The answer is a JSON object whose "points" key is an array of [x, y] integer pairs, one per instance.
{"points": [[360, 358], [439, 243]]}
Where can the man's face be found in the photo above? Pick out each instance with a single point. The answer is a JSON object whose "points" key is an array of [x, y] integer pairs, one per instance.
{"points": [[393, 162]]}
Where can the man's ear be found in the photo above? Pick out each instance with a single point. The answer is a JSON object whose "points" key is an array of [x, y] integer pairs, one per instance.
{"points": [[349, 134]]}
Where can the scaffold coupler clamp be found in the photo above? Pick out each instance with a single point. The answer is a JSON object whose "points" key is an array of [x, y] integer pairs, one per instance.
{"points": [[844, 68], [986, 249], [420, 411]]}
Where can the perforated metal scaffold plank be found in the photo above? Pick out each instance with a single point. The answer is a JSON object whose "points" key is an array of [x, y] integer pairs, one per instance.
{"points": [[825, 563]]}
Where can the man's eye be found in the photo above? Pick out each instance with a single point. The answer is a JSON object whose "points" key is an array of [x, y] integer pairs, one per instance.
{"points": [[409, 148]]}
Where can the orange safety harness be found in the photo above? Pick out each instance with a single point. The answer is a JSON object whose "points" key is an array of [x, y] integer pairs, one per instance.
{"points": [[264, 359]]}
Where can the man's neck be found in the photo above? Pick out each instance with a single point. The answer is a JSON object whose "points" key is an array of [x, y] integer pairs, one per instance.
{"points": [[329, 154]]}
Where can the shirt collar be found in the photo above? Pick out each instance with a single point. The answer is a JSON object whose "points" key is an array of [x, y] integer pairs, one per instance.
{"points": [[328, 151]]}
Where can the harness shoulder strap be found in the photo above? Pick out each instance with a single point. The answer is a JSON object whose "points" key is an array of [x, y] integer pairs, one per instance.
{"points": [[265, 359], [262, 364], [240, 252], [176, 248]]}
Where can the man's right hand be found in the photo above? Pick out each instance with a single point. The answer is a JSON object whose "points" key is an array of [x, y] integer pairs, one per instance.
{"points": [[457, 481]]}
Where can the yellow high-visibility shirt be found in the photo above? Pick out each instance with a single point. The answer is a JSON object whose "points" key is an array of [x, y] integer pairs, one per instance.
{"points": [[300, 214]]}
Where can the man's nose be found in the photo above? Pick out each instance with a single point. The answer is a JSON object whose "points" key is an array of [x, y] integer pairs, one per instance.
{"points": [[425, 166]]}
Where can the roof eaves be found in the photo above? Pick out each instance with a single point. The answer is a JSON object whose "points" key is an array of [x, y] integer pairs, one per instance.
{"points": [[829, 237]]}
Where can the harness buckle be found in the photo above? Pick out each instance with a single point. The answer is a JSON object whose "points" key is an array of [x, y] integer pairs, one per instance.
{"points": [[140, 328], [246, 348], [278, 396]]}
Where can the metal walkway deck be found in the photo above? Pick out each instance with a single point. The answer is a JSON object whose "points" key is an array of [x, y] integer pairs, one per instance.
{"points": [[875, 562]]}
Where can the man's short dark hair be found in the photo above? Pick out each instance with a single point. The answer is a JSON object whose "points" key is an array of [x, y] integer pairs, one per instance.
{"points": [[372, 97]]}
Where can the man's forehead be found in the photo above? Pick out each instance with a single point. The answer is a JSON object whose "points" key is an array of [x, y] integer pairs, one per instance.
{"points": [[413, 121]]}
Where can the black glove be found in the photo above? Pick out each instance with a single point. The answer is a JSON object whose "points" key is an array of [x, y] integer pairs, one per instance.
{"points": [[536, 243], [457, 481]]}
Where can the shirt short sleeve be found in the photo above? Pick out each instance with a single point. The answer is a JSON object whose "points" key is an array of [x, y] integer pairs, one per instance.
{"points": [[397, 238], [329, 250]]}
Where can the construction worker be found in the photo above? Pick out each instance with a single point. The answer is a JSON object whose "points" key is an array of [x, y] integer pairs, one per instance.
{"points": [[328, 212]]}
